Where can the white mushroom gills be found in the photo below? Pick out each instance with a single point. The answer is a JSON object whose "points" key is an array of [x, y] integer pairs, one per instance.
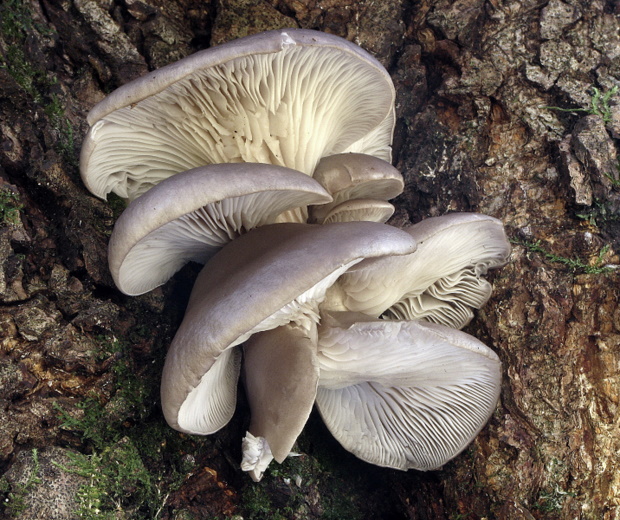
{"points": [[360, 209], [288, 107], [190, 216], [441, 281], [406, 395]]}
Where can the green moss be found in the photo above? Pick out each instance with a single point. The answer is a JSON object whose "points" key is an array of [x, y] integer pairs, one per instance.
{"points": [[600, 214], [16, 20], [92, 426], [14, 494], [133, 475], [16, 24], [133, 400], [23, 72], [257, 504], [131, 458], [614, 177], [117, 480], [575, 265], [117, 204], [65, 144], [10, 206], [600, 104], [325, 481]]}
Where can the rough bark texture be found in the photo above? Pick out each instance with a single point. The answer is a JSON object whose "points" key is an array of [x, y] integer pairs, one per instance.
{"points": [[505, 107]]}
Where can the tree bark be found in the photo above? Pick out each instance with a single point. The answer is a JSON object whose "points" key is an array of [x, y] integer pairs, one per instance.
{"points": [[504, 107]]}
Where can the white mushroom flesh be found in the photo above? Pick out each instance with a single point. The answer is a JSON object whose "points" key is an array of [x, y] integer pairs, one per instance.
{"points": [[256, 456]]}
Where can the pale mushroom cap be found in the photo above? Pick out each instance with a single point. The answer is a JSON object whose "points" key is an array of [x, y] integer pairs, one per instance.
{"points": [[406, 395], [190, 216], [266, 278], [286, 97], [350, 176], [360, 210], [441, 282], [281, 376]]}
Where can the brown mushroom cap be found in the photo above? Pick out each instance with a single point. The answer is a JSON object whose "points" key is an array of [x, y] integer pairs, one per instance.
{"points": [[285, 97], [190, 216], [266, 278]]}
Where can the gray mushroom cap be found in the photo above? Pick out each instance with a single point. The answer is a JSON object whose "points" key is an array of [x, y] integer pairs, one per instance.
{"points": [[350, 176], [404, 394], [442, 281], [190, 216], [266, 278], [285, 97]]}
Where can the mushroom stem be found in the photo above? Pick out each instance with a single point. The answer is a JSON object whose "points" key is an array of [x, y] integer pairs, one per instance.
{"points": [[281, 398]]}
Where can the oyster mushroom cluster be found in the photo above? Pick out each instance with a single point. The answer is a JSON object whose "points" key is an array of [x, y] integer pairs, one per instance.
{"points": [[267, 160]]}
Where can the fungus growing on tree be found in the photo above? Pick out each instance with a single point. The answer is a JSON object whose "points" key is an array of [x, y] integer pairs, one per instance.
{"points": [[220, 148], [442, 281], [353, 176], [404, 394], [266, 278]]}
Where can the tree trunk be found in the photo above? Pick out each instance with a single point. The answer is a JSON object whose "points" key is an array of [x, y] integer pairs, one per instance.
{"points": [[505, 107]]}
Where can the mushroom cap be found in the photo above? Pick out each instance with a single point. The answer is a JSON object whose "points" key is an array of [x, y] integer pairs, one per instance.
{"points": [[441, 281], [190, 216], [350, 176], [404, 394], [281, 398], [266, 278], [359, 210], [285, 97]]}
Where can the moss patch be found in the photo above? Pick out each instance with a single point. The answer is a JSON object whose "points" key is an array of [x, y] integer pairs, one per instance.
{"points": [[132, 461], [10, 206]]}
